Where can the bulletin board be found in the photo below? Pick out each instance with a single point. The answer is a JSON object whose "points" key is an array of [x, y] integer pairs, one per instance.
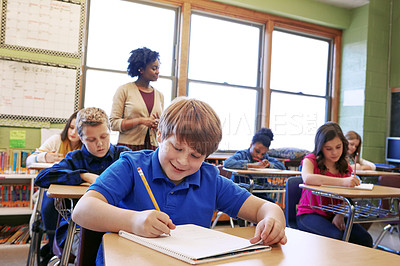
{"points": [[38, 91], [43, 26]]}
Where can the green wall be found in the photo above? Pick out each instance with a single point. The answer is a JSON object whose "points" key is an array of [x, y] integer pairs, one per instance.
{"points": [[365, 68], [395, 51], [304, 10], [377, 81], [353, 72]]}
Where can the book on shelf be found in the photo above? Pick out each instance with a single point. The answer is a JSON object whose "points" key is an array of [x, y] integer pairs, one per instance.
{"points": [[195, 244], [15, 195], [13, 161], [10, 235]]}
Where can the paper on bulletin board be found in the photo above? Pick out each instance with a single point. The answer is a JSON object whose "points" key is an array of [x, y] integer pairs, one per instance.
{"points": [[17, 138], [353, 98]]}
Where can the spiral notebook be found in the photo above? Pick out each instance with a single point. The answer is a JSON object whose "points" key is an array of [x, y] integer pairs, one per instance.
{"points": [[195, 244]]}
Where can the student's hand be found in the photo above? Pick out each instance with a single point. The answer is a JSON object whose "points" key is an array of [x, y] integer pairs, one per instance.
{"points": [[53, 156], [270, 230], [351, 181], [89, 177], [151, 223], [338, 221]]}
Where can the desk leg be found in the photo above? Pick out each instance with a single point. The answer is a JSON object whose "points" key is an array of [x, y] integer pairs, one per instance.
{"points": [[350, 219], [37, 232], [68, 243]]}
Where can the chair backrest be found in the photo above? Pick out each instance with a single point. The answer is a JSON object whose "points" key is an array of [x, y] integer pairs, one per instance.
{"points": [[89, 245], [223, 172], [292, 197], [389, 181]]}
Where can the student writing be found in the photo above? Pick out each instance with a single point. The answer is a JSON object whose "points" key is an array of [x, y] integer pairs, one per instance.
{"points": [[327, 165], [354, 152], [54, 149], [187, 189], [87, 163], [256, 155]]}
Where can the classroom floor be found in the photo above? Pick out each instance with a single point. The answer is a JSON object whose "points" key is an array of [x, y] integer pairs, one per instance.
{"points": [[16, 255]]}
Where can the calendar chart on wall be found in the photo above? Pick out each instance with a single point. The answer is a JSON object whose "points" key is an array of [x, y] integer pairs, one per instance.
{"points": [[37, 92], [46, 26]]}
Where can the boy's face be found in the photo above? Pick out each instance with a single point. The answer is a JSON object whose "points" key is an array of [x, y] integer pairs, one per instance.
{"points": [[96, 139], [177, 159]]}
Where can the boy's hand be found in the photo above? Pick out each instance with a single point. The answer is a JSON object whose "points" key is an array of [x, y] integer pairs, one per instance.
{"points": [[152, 223], [89, 177], [270, 231]]}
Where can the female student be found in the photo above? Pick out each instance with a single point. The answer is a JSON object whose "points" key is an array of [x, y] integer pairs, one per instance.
{"points": [[137, 105], [327, 165], [57, 146], [256, 155], [54, 149], [353, 153]]}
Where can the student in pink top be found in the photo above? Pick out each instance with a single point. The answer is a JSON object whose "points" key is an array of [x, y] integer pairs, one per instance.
{"points": [[327, 165]]}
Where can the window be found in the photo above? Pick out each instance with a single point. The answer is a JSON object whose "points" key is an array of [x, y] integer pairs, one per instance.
{"points": [[116, 28], [224, 68], [300, 91]]}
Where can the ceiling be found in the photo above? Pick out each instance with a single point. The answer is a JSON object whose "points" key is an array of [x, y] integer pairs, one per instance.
{"points": [[349, 4]]}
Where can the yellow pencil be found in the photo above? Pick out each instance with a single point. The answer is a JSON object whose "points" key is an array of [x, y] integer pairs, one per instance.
{"points": [[148, 188]]}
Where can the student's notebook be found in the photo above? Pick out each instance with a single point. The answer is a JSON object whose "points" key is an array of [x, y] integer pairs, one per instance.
{"points": [[361, 186], [195, 244]]}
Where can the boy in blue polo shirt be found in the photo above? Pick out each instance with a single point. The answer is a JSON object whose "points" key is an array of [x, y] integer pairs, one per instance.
{"points": [[85, 164], [187, 189]]}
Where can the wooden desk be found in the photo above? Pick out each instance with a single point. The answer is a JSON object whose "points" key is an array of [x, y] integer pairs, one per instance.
{"points": [[354, 211], [375, 173], [301, 249], [62, 193]]}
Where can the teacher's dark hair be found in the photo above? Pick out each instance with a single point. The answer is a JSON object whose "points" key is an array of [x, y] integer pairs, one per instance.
{"points": [[140, 58]]}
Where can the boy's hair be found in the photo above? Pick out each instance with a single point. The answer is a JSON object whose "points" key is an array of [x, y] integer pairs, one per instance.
{"points": [[64, 133], [325, 133], [354, 135], [194, 122], [140, 58], [91, 116], [263, 136]]}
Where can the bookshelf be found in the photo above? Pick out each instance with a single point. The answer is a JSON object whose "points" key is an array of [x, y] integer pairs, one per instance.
{"points": [[16, 194]]}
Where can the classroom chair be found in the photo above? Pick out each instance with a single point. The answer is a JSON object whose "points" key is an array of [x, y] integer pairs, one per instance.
{"points": [[226, 174], [292, 198], [388, 181]]}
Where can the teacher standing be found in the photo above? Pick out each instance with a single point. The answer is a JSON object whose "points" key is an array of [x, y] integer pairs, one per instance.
{"points": [[137, 106]]}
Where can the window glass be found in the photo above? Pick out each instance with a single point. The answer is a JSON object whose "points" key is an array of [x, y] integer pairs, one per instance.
{"points": [[118, 27], [223, 51], [236, 108], [294, 119], [105, 83], [299, 64]]}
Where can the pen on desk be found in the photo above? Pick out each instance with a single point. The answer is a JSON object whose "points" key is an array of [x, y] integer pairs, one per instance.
{"points": [[257, 159], [153, 199]]}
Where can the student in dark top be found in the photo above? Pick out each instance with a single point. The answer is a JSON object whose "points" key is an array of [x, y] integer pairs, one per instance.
{"points": [[85, 164]]}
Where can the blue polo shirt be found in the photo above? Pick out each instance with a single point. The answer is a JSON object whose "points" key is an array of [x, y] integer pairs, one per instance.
{"points": [[192, 201]]}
